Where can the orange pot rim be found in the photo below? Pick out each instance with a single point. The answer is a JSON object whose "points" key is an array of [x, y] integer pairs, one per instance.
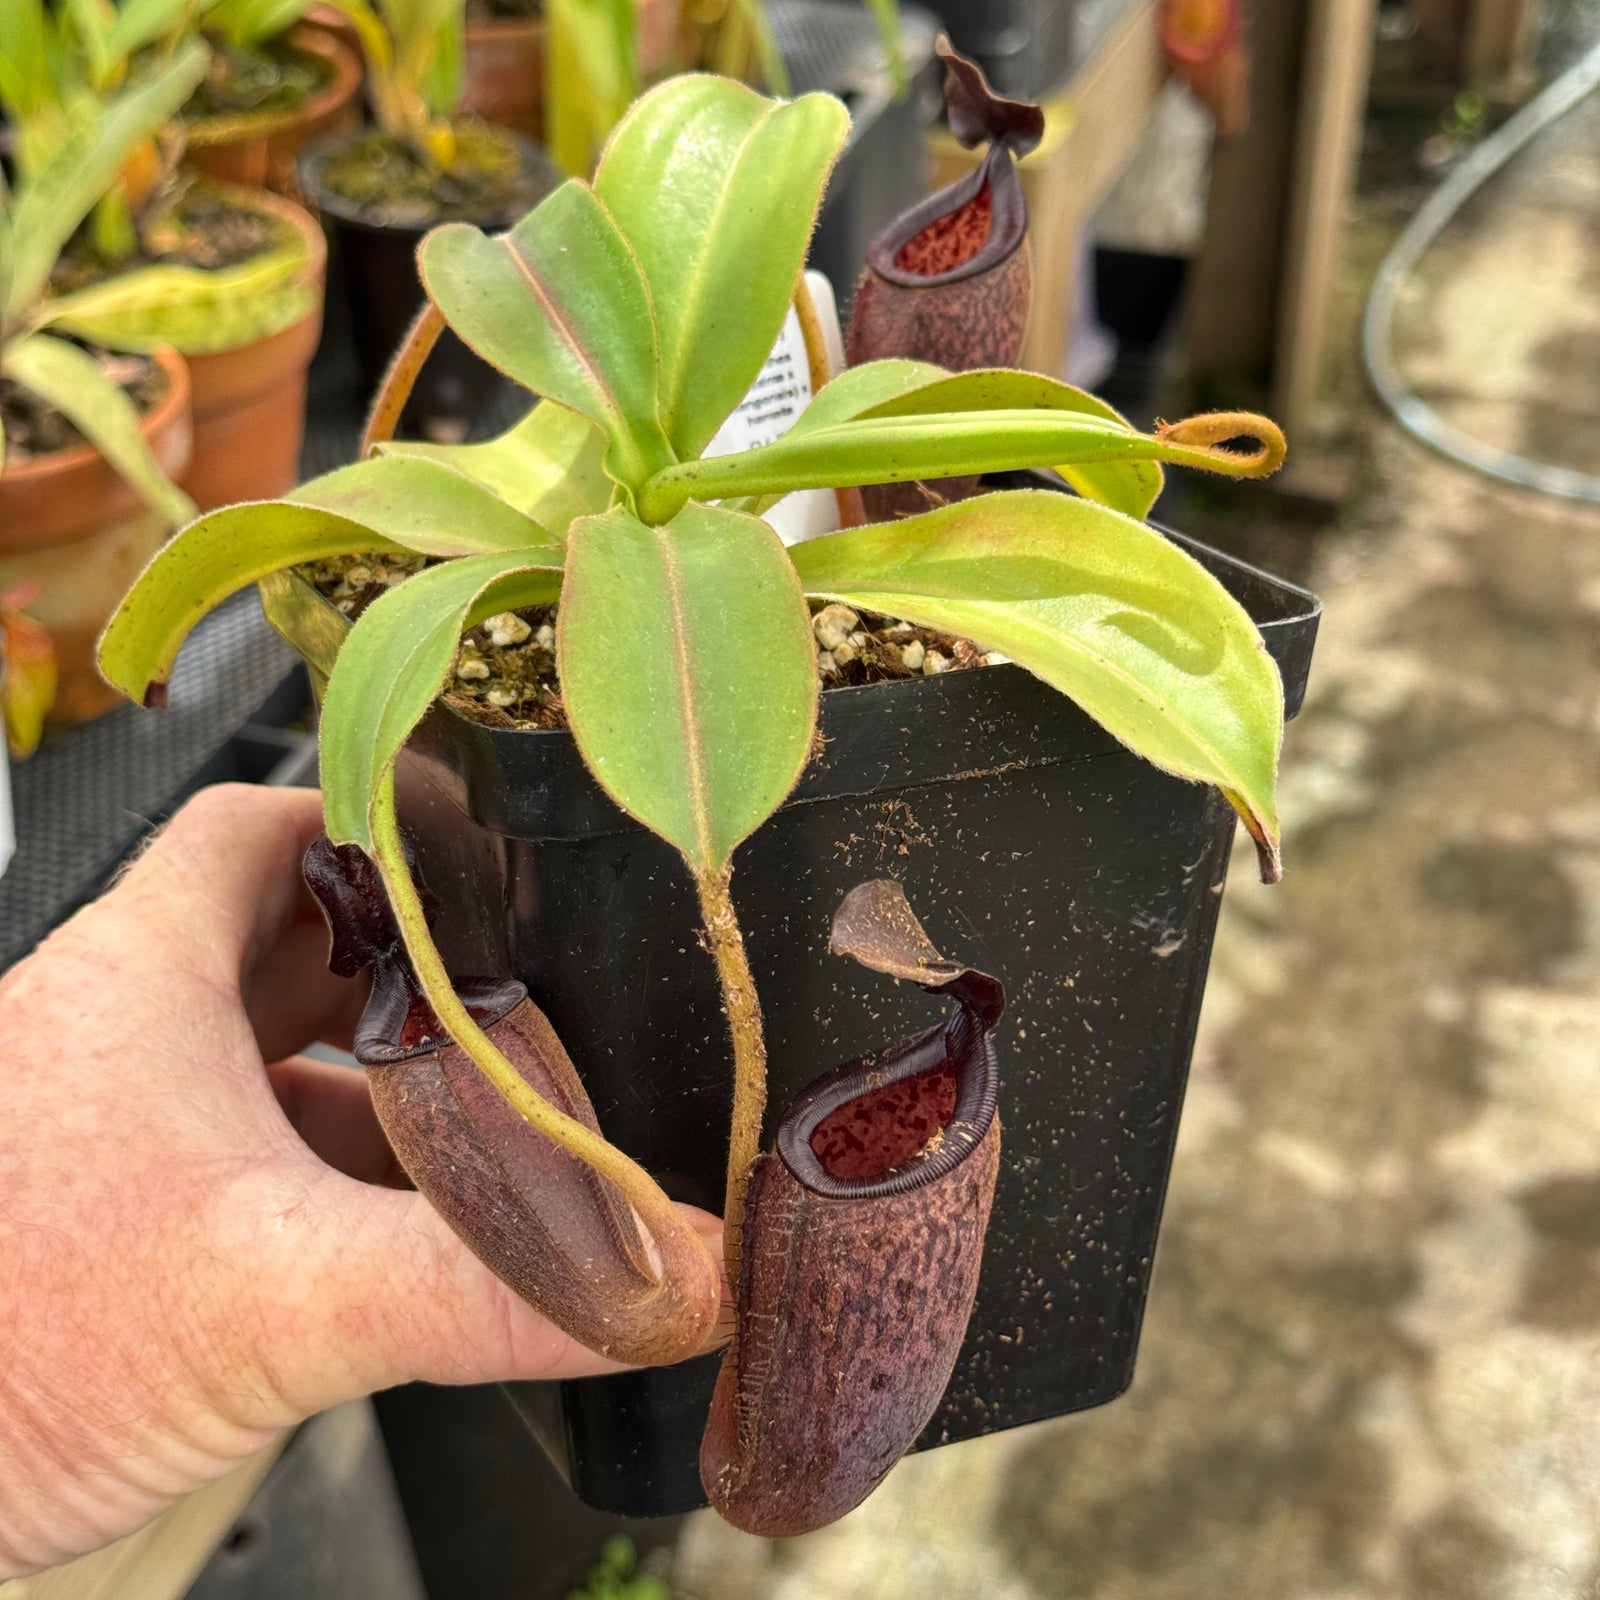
{"points": [[63, 463], [234, 126], [248, 198]]}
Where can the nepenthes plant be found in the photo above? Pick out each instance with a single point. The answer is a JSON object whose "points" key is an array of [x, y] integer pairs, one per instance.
{"points": [[639, 308]]}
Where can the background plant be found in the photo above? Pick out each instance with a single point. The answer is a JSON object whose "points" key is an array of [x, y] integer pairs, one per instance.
{"points": [[27, 672], [641, 308], [414, 65], [593, 70], [56, 190], [57, 70], [57, 65], [250, 25], [615, 1576]]}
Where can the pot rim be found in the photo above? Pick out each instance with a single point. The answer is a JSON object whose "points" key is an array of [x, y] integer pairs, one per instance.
{"points": [[234, 127], [1299, 608], [247, 198], [330, 204], [62, 463]]}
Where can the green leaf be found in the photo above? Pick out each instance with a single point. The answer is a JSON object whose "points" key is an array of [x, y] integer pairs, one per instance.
{"points": [[394, 663], [194, 310], [74, 383], [949, 445], [1099, 606], [887, 13], [856, 390], [26, 66], [688, 671], [426, 506], [560, 305], [591, 75], [198, 569], [1130, 486], [88, 34], [717, 189], [551, 465], [49, 207], [141, 22]]}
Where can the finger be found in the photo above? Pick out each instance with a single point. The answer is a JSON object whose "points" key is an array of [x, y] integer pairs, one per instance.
{"points": [[404, 1299], [221, 880], [329, 1107], [292, 999]]}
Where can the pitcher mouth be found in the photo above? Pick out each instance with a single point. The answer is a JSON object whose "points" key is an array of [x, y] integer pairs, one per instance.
{"points": [[399, 1025], [897, 1120], [1008, 224]]}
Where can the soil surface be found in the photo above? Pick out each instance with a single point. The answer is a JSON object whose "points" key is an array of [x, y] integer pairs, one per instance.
{"points": [[390, 184], [35, 428], [277, 78], [194, 226], [505, 672]]}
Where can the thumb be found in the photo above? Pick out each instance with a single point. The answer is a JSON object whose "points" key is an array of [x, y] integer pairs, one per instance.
{"points": [[393, 1296]]}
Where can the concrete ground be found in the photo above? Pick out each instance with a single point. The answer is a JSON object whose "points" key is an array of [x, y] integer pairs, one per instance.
{"points": [[1371, 1368]]}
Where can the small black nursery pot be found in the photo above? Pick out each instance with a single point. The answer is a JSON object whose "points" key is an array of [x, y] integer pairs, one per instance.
{"points": [[1086, 878], [863, 1235], [378, 264]]}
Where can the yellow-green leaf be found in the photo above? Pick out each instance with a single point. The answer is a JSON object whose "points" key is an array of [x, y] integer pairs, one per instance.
{"points": [[717, 188], [200, 567], [427, 506], [194, 311], [1099, 606], [393, 664], [77, 386], [1130, 486], [560, 305], [550, 465], [688, 671]]}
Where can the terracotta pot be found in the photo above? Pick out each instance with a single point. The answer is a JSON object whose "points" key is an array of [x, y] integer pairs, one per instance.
{"points": [[250, 402], [330, 19], [71, 524], [503, 80], [503, 76], [259, 148]]}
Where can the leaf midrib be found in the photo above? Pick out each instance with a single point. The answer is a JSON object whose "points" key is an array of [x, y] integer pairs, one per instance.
{"points": [[698, 278], [694, 756], [619, 429]]}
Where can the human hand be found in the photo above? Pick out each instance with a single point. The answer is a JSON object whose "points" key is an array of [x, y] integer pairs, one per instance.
{"points": [[197, 1247]]}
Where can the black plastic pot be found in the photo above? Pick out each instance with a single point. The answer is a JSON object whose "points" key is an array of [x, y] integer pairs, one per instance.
{"points": [[378, 265], [1030, 843]]}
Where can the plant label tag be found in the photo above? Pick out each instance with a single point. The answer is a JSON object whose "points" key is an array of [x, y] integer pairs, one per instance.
{"points": [[8, 832], [783, 390]]}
